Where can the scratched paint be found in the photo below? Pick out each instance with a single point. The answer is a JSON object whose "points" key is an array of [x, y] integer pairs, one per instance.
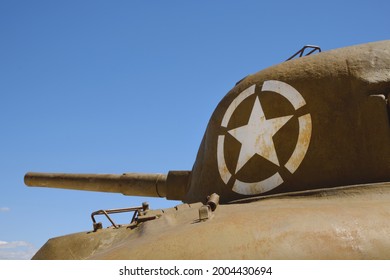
{"points": [[256, 138]]}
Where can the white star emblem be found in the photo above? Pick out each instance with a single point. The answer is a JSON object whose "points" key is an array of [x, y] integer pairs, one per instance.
{"points": [[256, 136]]}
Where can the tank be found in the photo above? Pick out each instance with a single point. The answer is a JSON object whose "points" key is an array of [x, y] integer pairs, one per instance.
{"points": [[294, 164]]}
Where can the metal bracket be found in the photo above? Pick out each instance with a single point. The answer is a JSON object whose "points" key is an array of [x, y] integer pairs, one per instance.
{"points": [[205, 211]]}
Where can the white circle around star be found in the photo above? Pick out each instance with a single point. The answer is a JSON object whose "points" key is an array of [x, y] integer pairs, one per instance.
{"points": [[256, 138]]}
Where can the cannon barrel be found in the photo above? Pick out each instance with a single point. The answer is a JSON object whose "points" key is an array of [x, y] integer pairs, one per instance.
{"points": [[172, 185]]}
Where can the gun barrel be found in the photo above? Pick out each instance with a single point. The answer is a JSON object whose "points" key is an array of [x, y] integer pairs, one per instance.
{"points": [[171, 186]]}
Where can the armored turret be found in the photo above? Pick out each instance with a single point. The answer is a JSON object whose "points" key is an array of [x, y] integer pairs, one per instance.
{"points": [[305, 129]]}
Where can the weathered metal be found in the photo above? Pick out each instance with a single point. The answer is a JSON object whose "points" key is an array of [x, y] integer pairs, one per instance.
{"points": [[294, 164], [339, 223], [337, 133], [106, 213], [171, 186]]}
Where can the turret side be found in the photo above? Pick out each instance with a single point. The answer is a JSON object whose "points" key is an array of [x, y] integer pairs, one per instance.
{"points": [[314, 122]]}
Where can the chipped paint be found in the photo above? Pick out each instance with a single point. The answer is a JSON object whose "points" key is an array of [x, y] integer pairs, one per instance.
{"points": [[256, 138]]}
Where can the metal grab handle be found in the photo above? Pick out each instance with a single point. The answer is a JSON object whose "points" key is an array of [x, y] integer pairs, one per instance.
{"points": [[136, 210], [302, 51]]}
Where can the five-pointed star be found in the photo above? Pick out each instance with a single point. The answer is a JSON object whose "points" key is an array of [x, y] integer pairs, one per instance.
{"points": [[256, 136]]}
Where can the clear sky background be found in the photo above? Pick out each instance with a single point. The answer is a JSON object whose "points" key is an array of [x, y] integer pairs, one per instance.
{"points": [[129, 86]]}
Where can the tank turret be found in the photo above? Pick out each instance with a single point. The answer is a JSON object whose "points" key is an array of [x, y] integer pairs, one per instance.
{"points": [[308, 123], [305, 144]]}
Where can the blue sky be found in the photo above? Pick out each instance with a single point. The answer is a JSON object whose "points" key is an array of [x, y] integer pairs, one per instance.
{"points": [[129, 86]]}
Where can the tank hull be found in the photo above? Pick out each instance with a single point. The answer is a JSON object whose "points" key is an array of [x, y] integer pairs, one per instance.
{"points": [[339, 223]]}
